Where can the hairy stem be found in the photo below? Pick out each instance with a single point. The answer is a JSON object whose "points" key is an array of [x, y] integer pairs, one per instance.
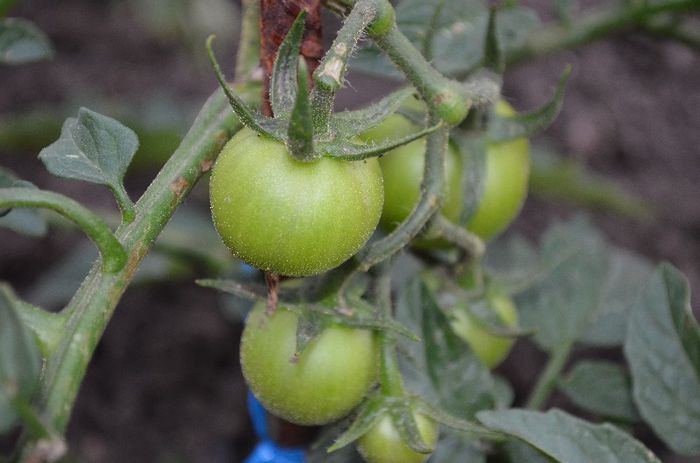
{"points": [[112, 253], [389, 374], [93, 304]]}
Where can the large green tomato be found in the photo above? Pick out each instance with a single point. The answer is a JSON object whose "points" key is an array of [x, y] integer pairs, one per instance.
{"points": [[291, 217], [490, 349], [330, 377], [505, 185], [383, 444]]}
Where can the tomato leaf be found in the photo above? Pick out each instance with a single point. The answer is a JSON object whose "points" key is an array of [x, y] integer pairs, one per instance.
{"points": [[505, 128], [370, 411], [568, 439], [93, 148], [455, 36], [462, 383], [455, 447], [20, 360], [22, 42], [600, 387], [467, 427], [351, 123], [283, 83], [21, 220], [300, 132], [663, 351]]}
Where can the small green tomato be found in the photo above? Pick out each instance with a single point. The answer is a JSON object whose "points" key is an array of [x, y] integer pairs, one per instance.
{"points": [[330, 377], [490, 349], [383, 444]]}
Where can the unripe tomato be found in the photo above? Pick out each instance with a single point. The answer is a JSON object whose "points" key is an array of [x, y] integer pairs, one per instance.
{"points": [[505, 189], [330, 377], [490, 349], [505, 186], [291, 217], [383, 444], [402, 169]]}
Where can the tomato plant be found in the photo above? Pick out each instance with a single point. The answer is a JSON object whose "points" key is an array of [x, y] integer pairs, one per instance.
{"points": [[282, 215], [490, 348], [383, 444], [505, 184], [327, 380]]}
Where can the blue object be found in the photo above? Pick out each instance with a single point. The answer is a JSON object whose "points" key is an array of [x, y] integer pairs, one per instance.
{"points": [[267, 451]]}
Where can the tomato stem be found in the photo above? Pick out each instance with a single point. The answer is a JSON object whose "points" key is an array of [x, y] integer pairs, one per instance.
{"points": [[390, 380], [549, 376]]}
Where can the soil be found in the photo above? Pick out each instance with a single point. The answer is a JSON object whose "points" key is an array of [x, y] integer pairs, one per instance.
{"points": [[165, 384]]}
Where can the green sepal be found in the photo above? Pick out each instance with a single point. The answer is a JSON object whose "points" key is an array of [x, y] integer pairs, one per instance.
{"points": [[501, 129], [351, 123], [355, 152], [368, 316], [441, 416], [300, 131], [402, 416], [244, 291], [309, 325], [246, 116], [488, 319], [482, 89], [472, 151], [493, 56], [369, 413], [283, 83]]}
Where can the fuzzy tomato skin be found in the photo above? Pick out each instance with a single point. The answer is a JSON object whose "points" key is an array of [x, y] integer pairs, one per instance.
{"points": [[330, 377], [490, 349], [291, 217], [505, 188], [383, 444]]}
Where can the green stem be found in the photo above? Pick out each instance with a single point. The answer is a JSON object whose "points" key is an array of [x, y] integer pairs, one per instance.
{"points": [[390, 379], [93, 304], [330, 74], [113, 255], [594, 26], [126, 206], [248, 58], [428, 204], [471, 244], [548, 378]]}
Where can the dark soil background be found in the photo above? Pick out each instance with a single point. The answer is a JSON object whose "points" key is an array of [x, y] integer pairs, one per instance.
{"points": [[165, 384]]}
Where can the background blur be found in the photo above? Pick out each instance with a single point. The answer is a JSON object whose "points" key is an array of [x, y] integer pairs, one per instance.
{"points": [[165, 384]]}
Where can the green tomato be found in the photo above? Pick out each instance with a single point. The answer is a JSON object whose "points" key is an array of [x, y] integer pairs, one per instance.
{"points": [[291, 217], [505, 185], [330, 377], [505, 188], [490, 349], [383, 444], [402, 169]]}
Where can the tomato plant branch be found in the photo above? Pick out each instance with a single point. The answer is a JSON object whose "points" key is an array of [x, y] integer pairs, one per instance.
{"points": [[594, 26], [113, 255], [248, 57], [428, 204], [389, 374], [93, 304], [549, 376], [467, 241]]}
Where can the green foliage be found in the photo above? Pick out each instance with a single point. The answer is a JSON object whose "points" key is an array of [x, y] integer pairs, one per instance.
{"points": [[566, 438], [663, 349], [22, 42], [19, 360]]}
